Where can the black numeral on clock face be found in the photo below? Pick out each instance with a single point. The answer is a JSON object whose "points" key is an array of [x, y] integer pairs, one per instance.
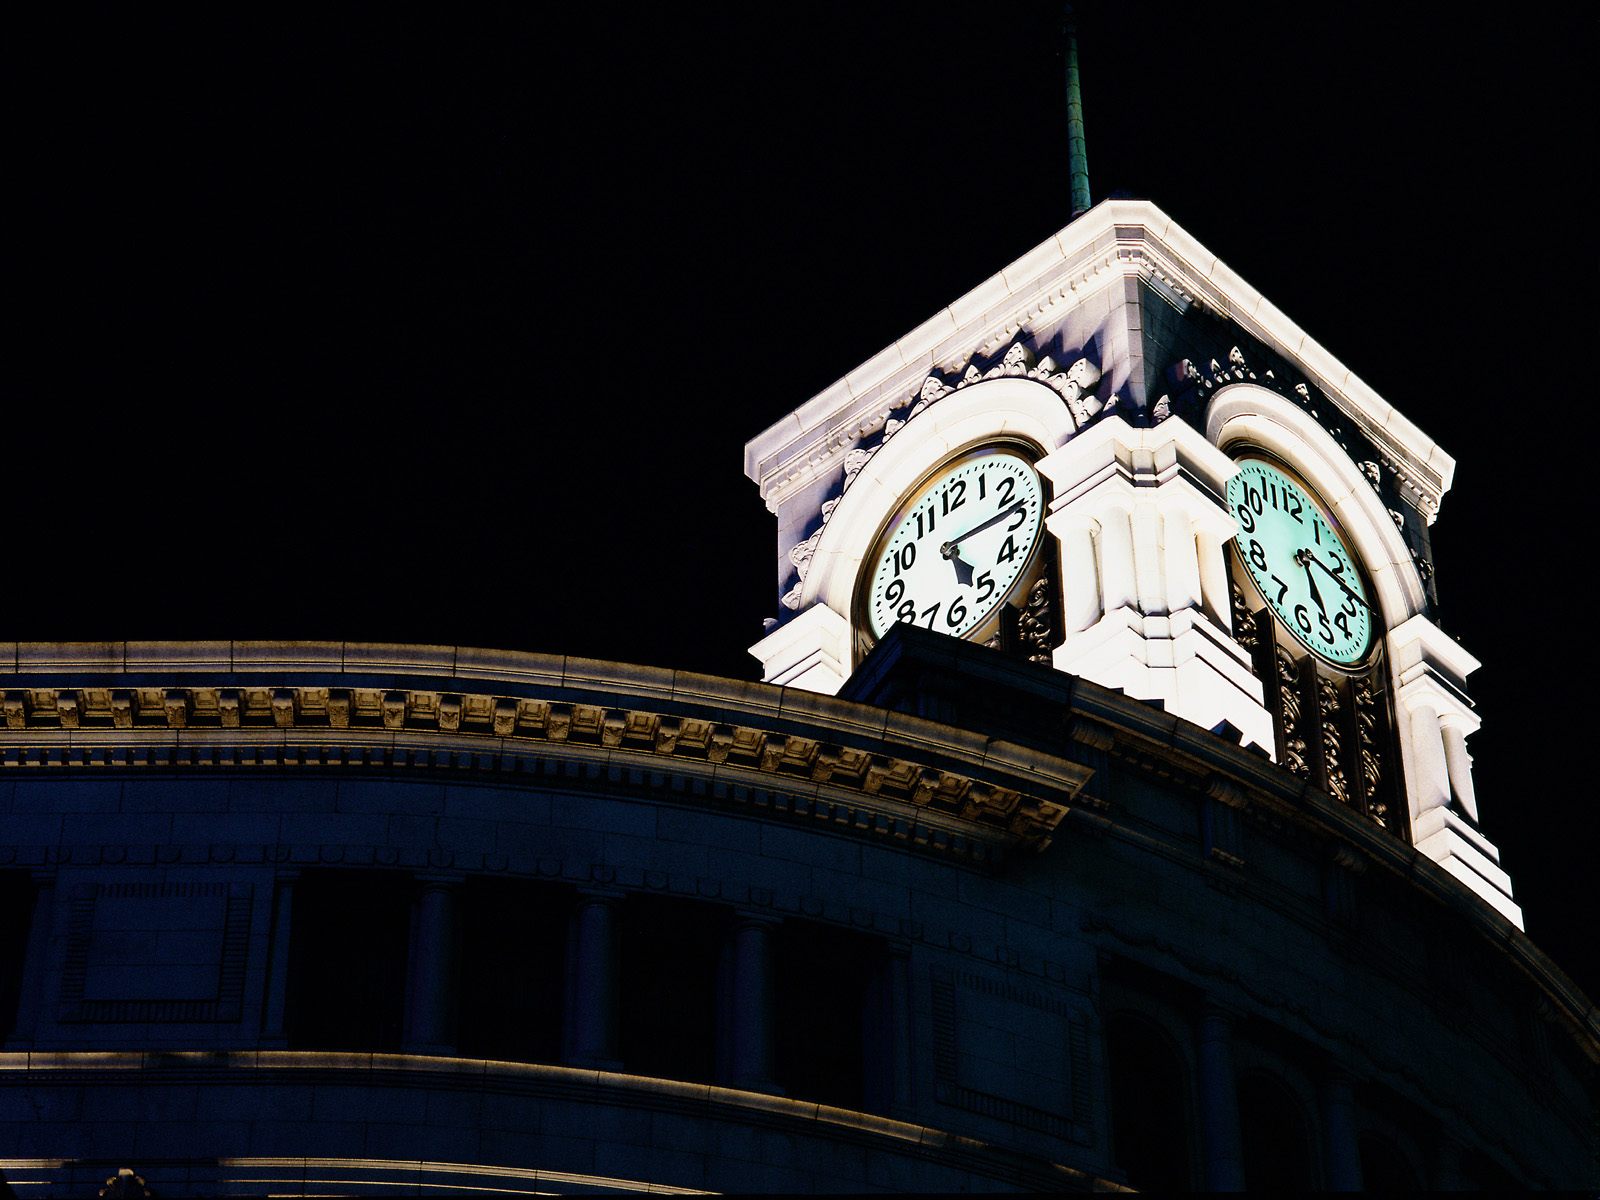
{"points": [[954, 496]]}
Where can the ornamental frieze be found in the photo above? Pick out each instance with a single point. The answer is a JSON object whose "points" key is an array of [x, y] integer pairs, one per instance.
{"points": [[231, 727]]}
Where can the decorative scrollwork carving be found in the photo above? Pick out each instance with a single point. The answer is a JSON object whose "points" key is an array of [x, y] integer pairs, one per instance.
{"points": [[1366, 705], [1017, 360], [1035, 622], [1294, 742], [1332, 751], [1244, 624], [801, 553]]}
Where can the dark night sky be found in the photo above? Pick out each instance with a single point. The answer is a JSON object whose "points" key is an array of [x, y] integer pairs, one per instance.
{"points": [[405, 325]]}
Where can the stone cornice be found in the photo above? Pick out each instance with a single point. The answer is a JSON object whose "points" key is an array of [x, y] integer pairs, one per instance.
{"points": [[943, 789], [786, 753], [1115, 239]]}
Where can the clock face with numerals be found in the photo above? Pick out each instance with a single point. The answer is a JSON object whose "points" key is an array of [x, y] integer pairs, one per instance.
{"points": [[957, 546], [1303, 569]]}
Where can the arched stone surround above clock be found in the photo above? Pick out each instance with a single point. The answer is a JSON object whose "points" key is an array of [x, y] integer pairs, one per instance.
{"points": [[993, 409], [1245, 412], [815, 646], [1427, 668]]}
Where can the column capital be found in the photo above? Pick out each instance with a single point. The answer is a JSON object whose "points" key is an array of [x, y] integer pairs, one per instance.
{"points": [[1215, 1011], [433, 881], [750, 918], [600, 893], [1419, 643]]}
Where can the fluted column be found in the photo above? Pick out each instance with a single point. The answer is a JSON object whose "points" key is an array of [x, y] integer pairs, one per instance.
{"points": [[1080, 577], [273, 1031], [433, 968], [1117, 577], [750, 1010], [1433, 774], [1182, 561], [1219, 1104], [1339, 1133], [592, 1011], [1214, 588], [1459, 765], [1147, 559]]}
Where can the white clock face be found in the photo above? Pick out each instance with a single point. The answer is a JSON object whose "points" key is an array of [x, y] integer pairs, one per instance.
{"points": [[958, 545]]}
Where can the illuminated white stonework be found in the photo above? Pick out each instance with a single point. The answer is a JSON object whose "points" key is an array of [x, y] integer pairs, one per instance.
{"points": [[1140, 526], [1142, 538], [812, 651], [1436, 717]]}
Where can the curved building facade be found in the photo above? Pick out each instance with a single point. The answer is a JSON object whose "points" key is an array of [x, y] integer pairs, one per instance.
{"points": [[342, 918], [1106, 819]]}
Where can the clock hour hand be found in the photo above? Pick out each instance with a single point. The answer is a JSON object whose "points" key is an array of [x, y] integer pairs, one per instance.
{"points": [[962, 566], [1303, 557], [953, 547], [1333, 575]]}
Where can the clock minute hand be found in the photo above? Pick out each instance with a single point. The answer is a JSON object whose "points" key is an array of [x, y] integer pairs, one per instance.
{"points": [[953, 547]]}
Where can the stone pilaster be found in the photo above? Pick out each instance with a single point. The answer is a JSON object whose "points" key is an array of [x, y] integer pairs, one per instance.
{"points": [[591, 1034], [430, 1023], [1340, 1140], [1435, 718], [1139, 518], [1223, 1156], [750, 1003]]}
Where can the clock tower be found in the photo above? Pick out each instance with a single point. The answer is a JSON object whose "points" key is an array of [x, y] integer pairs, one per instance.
{"points": [[1116, 459]]}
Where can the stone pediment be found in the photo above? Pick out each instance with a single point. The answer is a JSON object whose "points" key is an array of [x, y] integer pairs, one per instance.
{"points": [[1074, 298]]}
